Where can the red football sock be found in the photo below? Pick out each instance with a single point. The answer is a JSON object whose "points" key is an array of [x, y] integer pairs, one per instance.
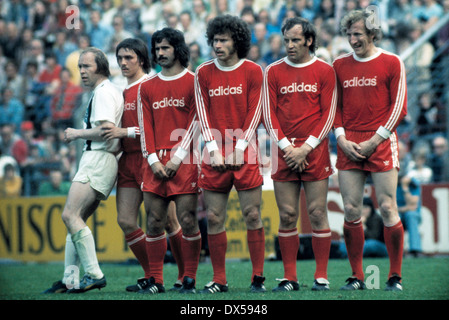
{"points": [[157, 248], [191, 249], [289, 245], [218, 243], [256, 246], [321, 245], [175, 239], [355, 239], [136, 241], [394, 241]]}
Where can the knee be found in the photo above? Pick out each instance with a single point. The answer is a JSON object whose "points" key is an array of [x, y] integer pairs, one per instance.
{"points": [[288, 216], [188, 221], [156, 223], [252, 216], [126, 224], [215, 218], [318, 217], [352, 212], [388, 209]]}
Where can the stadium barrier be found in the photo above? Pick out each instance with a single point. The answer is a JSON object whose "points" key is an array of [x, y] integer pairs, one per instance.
{"points": [[31, 228]]}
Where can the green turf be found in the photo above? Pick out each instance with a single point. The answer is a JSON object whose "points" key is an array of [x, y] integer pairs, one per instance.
{"points": [[423, 279]]}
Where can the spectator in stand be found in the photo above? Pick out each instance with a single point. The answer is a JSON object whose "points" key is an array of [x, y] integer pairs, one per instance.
{"points": [[428, 12], [409, 207], [191, 34], [35, 54], [260, 38], [420, 171], [55, 186], [430, 119], [276, 49], [11, 110], [62, 47], [119, 31], [10, 183], [11, 144], [265, 18], [130, 12], [50, 75], [65, 100], [195, 56], [39, 18], [12, 41], [99, 34], [13, 79], [438, 160], [150, 16]]}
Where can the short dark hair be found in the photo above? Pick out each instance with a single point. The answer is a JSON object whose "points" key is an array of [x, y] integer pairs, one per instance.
{"points": [[100, 59], [237, 28], [176, 39], [140, 49], [308, 30]]}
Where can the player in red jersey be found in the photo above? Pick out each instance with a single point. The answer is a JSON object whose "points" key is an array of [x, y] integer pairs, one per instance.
{"points": [[300, 98], [372, 102], [228, 93], [134, 61], [166, 113]]}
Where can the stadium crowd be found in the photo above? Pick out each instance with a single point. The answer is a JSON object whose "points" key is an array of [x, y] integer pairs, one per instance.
{"points": [[41, 95]]}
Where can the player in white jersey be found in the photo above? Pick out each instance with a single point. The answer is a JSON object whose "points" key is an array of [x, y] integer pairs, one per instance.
{"points": [[95, 177]]}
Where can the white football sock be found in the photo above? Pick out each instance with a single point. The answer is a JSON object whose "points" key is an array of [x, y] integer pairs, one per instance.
{"points": [[71, 263], [85, 246]]}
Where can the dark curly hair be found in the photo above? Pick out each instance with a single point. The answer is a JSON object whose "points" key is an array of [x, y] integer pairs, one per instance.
{"points": [[176, 39], [308, 30], [236, 28]]}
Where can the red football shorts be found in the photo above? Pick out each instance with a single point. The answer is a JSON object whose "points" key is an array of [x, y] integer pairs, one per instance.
{"points": [[130, 170], [384, 158], [319, 167], [246, 178], [184, 182]]}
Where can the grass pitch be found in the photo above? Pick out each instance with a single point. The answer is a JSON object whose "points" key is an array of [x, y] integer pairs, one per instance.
{"points": [[424, 278]]}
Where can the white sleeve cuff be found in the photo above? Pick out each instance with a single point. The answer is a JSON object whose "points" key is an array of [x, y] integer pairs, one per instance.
{"points": [[340, 131], [152, 158], [132, 132], [313, 142], [211, 145], [384, 133], [284, 143], [181, 153], [242, 144]]}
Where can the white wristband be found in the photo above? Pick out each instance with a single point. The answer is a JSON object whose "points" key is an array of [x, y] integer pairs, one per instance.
{"points": [[383, 132], [241, 144], [152, 158], [284, 143], [181, 153], [340, 131], [131, 132], [211, 145], [313, 142]]}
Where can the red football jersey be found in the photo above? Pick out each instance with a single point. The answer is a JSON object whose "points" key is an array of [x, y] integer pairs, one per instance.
{"points": [[299, 100], [166, 109], [372, 92], [228, 101], [129, 118]]}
